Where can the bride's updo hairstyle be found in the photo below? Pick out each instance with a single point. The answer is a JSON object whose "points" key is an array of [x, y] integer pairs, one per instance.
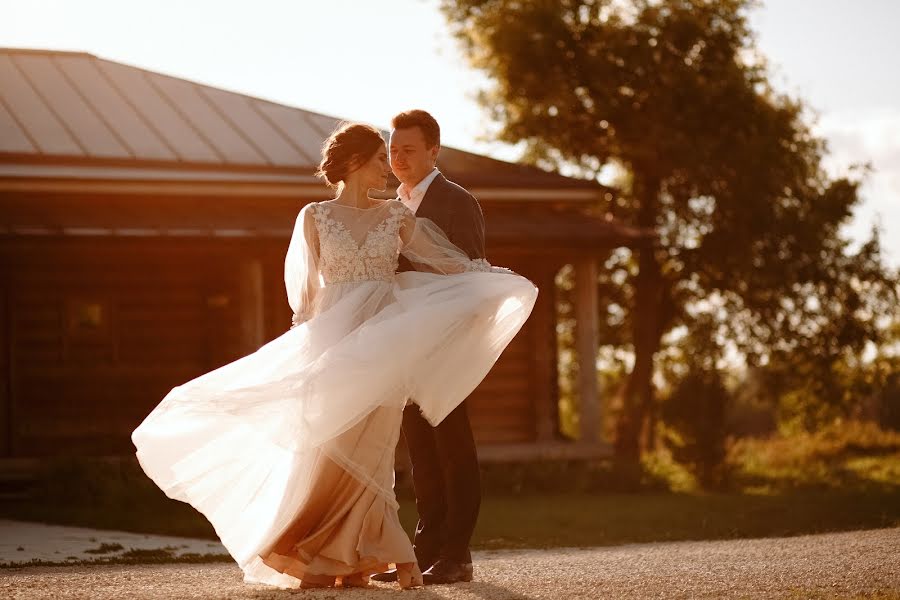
{"points": [[347, 149]]}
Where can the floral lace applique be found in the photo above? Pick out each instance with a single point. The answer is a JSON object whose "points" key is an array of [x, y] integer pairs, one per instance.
{"points": [[343, 260]]}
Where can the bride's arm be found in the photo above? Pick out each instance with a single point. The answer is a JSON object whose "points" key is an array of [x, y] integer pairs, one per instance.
{"points": [[426, 246], [301, 266]]}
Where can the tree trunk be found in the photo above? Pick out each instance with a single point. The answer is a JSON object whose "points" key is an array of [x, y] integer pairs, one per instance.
{"points": [[638, 397], [664, 316]]}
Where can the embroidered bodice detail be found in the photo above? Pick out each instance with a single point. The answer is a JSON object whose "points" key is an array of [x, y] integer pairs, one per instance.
{"points": [[342, 259]]}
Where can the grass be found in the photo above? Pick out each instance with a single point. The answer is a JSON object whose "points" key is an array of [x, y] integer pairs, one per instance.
{"points": [[105, 549], [843, 478], [543, 521]]}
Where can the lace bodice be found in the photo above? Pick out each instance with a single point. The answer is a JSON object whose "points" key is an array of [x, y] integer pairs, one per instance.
{"points": [[348, 254], [335, 244]]}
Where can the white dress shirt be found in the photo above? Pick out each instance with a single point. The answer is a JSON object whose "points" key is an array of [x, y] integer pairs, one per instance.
{"points": [[412, 198]]}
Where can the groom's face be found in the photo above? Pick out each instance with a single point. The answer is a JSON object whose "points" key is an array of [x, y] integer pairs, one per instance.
{"points": [[411, 158]]}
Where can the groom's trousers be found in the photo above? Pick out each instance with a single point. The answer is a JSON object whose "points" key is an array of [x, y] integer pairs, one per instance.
{"points": [[447, 484]]}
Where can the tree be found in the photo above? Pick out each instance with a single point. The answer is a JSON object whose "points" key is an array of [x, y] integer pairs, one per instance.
{"points": [[722, 166]]}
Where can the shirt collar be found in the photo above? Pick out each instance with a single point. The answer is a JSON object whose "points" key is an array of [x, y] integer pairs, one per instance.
{"points": [[420, 188]]}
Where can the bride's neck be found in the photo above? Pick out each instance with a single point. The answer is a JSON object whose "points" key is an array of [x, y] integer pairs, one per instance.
{"points": [[354, 194]]}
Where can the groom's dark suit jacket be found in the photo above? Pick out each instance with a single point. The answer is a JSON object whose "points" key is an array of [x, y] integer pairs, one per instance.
{"points": [[444, 459], [457, 213]]}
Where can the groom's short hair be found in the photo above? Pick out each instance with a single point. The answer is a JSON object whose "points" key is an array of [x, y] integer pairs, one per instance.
{"points": [[424, 121]]}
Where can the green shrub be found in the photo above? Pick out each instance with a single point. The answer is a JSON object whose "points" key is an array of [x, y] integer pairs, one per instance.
{"points": [[844, 454], [694, 425]]}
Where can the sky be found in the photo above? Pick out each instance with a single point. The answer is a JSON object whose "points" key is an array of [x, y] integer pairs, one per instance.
{"points": [[365, 60]]}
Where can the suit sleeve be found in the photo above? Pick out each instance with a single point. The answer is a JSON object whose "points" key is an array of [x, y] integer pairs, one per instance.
{"points": [[467, 227]]}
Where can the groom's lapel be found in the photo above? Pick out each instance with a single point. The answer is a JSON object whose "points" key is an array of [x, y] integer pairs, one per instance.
{"points": [[431, 203]]}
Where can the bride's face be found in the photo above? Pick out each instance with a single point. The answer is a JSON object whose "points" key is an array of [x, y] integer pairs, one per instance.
{"points": [[373, 174]]}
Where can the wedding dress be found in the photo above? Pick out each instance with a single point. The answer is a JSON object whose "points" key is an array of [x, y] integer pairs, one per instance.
{"points": [[289, 451]]}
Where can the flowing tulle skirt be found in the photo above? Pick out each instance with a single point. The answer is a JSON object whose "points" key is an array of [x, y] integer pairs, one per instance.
{"points": [[289, 452]]}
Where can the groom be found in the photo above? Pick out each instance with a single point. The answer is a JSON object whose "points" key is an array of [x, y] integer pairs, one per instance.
{"points": [[444, 463]]}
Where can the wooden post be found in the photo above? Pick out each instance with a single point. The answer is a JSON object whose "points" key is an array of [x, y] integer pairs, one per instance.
{"points": [[586, 342], [252, 304], [543, 323]]}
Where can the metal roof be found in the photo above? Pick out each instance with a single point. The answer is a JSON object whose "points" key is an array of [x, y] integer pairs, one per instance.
{"points": [[76, 110]]}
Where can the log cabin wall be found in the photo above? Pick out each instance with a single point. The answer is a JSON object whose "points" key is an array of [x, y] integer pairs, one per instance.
{"points": [[100, 328]]}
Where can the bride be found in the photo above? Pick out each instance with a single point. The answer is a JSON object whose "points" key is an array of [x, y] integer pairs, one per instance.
{"points": [[289, 451]]}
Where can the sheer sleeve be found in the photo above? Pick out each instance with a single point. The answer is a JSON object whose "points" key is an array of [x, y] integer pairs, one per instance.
{"points": [[426, 246], [301, 270]]}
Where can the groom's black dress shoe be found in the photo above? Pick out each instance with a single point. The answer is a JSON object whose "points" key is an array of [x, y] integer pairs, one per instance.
{"points": [[448, 571]]}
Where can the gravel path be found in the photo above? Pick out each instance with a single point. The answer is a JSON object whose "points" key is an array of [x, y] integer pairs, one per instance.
{"points": [[822, 566]]}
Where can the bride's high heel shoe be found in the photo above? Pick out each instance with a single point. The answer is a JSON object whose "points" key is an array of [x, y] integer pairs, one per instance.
{"points": [[409, 576]]}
